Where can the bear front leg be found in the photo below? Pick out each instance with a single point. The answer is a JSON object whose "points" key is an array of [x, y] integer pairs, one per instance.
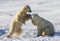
{"points": [[39, 33]]}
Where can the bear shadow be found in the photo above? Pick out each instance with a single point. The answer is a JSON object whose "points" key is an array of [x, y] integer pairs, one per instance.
{"points": [[57, 33], [2, 32]]}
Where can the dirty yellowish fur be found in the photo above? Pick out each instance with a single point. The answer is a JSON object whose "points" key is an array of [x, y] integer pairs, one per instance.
{"points": [[20, 18]]}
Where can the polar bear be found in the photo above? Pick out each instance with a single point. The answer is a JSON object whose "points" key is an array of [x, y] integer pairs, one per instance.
{"points": [[44, 27], [20, 18]]}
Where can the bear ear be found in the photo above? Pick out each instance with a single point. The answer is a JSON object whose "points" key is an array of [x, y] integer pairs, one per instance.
{"points": [[28, 8], [35, 15]]}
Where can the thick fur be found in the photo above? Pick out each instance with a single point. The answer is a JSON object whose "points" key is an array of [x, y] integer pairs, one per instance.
{"points": [[20, 18], [44, 27]]}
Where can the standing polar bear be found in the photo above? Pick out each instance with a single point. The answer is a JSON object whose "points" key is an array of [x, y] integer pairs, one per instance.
{"points": [[44, 27], [17, 21]]}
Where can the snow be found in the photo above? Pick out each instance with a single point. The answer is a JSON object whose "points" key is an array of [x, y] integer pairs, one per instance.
{"points": [[48, 9]]}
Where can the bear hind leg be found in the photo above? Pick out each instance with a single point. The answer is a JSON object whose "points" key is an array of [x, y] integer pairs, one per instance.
{"points": [[17, 31]]}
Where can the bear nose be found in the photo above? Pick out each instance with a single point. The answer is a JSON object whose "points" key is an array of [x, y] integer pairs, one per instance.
{"points": [[29, 16]]}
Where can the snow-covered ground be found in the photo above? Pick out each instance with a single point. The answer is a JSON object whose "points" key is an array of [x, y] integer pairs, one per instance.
{"points": [[48, 9]]}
